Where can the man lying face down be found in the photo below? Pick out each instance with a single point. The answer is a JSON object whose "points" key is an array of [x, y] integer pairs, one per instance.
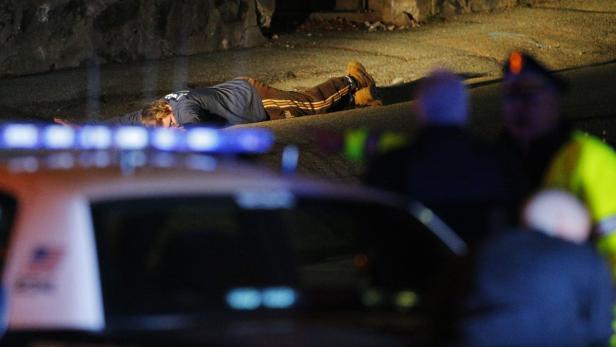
{"points": [[246, 100]]}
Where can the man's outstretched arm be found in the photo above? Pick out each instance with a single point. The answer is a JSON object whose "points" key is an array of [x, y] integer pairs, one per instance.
{"points": [[131, 118]]}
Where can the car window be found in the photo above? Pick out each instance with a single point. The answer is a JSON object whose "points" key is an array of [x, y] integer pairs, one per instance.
{"points": [[166, 255], [182, 255], [334, 239]]}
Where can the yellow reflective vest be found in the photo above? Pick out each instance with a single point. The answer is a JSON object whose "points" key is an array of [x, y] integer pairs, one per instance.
{"points": [[586, 167], [357, 141]]}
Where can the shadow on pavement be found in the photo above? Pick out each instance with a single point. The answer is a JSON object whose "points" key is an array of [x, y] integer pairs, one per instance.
{"points": [[405, 91]]}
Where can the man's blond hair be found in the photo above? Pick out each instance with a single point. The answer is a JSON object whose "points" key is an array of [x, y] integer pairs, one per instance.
{"points": [[155, 112]]}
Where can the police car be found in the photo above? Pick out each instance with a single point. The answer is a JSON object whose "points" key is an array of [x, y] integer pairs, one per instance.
{"points": [[135, 236]]}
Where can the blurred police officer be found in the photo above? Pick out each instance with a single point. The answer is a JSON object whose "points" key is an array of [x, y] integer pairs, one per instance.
{"points": [[444, 167], [541, 285], [547, 152]]}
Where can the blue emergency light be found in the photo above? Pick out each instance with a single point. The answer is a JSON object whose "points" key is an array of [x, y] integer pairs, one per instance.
{"points": [[24, 136], [131, 138], [58, 137], [93, 137], [20, 136], [165, 139], [203, 140]]}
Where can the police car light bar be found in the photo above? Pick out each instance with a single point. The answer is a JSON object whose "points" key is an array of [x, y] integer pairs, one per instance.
{"points": [[58, 137], [93, 137], [24, 136]]}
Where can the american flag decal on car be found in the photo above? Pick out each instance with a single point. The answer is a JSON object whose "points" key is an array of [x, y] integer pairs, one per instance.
{"points": [[39, 269], [44, 259]]}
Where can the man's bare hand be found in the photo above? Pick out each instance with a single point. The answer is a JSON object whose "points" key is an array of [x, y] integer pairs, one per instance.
{"points": [[64, 122]]}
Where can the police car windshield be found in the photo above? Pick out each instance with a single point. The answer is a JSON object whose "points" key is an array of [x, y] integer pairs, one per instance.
{"points": [[170, 256]]}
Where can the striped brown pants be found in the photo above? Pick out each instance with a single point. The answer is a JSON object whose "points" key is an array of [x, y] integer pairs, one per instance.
{"points": [[332, 95]]}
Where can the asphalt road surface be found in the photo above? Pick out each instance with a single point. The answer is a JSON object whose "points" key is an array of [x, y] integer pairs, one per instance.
{"points": [[590, 104]]}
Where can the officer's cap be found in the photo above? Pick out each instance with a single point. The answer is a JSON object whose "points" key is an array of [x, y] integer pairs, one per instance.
{"points": [[520, 64]]}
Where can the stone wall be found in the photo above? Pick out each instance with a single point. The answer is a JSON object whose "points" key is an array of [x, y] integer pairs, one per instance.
{"points": [[400, 12], [44, 35]]}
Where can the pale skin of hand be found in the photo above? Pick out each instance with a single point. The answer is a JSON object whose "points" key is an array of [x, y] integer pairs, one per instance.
{"points": [[64, 122]]}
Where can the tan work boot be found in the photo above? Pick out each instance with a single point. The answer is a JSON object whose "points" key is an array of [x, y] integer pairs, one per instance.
{"points": [[356, 70], [367, 96]]}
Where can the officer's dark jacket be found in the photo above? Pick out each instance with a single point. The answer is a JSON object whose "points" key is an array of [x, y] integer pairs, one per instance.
{"points": [[525, 169], [450, 172], [530, 289]]}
